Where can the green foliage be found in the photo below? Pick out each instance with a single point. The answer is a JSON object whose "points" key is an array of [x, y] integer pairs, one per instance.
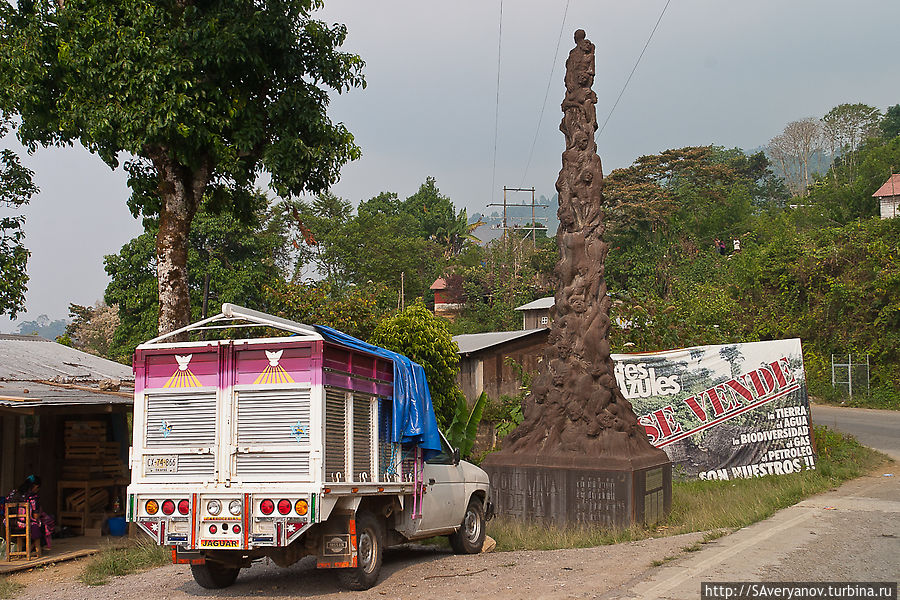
{"points": [[890, 124], [231, 84], [355, 310], [384, 242], [416, 333], [845, 194], [506, 273], [464, 427], [505, 413], [16, 189]]}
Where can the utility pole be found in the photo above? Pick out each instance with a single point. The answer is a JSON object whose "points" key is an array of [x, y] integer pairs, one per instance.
{"points": [[533, 226]]}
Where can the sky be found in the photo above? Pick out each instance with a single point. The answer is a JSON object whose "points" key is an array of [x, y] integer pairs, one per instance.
{"points": [[726, 73]]}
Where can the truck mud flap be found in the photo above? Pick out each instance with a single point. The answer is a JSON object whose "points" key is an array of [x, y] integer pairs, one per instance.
{"points": [[338, 547], [187, 557]]}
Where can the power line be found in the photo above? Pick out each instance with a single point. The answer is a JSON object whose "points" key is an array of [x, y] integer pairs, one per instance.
{"points": [[497, 103], [637, 62], [546, 93]]}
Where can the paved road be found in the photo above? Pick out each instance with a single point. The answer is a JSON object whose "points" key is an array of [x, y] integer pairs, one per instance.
{"points": [[851, 533], [879, 429]]}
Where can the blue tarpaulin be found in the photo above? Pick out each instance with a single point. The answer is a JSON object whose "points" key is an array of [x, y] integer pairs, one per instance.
{"points": [[413, 419]]}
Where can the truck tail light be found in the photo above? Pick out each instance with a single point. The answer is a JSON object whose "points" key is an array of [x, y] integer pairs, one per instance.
{"points": [[168, 507], [284, 506], [152, 507], [184, 507], [267, 507], [301, 507]]}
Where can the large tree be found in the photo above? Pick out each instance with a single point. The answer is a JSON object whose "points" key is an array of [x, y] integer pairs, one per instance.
{"points": [[203, 95]]}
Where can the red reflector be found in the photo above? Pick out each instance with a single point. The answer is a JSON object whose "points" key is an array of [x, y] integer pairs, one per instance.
{"points": [[284, 506], [213, 529], [267, 507], [184, 507], [168, 507], [236, 528]]}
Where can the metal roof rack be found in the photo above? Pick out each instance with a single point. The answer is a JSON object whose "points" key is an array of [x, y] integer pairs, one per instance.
{"points": [[236, 317]]}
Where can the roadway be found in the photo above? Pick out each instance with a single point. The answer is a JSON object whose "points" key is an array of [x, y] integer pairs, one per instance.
{"points": [[848, 534]]}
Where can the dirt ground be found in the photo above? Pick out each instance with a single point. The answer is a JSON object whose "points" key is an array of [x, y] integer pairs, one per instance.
{"points": [[409, 572]]}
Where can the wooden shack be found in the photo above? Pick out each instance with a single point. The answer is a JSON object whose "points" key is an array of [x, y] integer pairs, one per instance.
{"points": [[57, 422]]}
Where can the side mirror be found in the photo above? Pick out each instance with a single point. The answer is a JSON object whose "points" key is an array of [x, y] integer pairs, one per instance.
{"points": [[456, 456]]}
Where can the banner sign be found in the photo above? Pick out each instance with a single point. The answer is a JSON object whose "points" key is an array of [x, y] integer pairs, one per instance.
{"points": [[723, 412]]}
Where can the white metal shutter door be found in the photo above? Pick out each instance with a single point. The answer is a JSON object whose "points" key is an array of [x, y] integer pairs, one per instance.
{"points": [[335, 436], [183, 425], [273, 429], [362, 438]]}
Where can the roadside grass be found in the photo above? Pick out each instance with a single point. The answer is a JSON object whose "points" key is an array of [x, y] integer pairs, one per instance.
{"points": [[884, 398], [139, 556], [717, 507], [8, 589]]}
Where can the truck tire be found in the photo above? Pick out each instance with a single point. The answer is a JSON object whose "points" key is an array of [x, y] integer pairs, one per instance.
{"points": [[213, 575], [369, 548], [469, 538]]}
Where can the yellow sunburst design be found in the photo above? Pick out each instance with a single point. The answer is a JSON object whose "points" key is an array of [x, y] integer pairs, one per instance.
{"points": [[183, 378], [274, 373]]}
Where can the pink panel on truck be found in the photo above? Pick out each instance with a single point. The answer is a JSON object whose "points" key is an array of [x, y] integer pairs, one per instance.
{"points": [[357, 371], [277, 363], [179, 369]]}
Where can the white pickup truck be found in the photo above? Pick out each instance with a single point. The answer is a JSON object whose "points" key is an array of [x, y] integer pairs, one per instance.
{"points": [[307, 443]]}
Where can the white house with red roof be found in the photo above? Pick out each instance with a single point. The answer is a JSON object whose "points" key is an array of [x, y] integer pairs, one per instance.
{"points": [[889, 197]]}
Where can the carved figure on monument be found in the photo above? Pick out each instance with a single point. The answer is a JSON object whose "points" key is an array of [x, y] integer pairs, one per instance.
{"points": [[576, 421]]}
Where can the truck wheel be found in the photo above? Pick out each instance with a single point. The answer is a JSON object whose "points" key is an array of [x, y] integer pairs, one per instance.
{"points": [[469, 538], [213, 575], [369, 550]]}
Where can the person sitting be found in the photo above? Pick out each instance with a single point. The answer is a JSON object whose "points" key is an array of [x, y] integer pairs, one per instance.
{"points": [[41, 525]]}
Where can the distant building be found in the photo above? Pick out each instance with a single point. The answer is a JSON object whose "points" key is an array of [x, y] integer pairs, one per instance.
{"points": [[483, 364], [536, 314], [889, 197], [448, 296]]}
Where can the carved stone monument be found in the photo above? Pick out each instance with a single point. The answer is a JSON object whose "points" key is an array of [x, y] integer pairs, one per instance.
{"points": [[580, 455]]}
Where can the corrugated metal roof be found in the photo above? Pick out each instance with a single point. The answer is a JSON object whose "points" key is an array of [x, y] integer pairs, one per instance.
{"points": [[32, 358], [890, 188], [539, 303], [472, 342], [43, 395]]}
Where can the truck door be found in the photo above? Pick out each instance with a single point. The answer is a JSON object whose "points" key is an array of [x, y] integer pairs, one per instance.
{"points": [[445, 499]]}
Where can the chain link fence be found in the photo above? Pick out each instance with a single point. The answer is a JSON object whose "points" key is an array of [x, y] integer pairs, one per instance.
{"points": [[850, 374]]}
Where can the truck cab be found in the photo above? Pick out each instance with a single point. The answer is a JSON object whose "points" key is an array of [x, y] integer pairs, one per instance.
{"points": [[296, 441]]}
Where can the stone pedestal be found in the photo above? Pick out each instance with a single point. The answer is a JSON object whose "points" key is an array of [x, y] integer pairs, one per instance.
{"points": [[612, 493]]}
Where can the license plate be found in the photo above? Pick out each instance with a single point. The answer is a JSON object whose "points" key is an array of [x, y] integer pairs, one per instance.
{"points": [[161, 464]]}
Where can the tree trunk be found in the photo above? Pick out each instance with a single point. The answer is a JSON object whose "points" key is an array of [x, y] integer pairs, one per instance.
{"points": [[181, 191]]}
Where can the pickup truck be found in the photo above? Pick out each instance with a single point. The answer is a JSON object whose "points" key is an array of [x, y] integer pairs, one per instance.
{"points": [[289, 442]]}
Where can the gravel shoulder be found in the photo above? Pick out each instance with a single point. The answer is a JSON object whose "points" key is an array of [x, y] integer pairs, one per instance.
{"points": [[409, 572]]}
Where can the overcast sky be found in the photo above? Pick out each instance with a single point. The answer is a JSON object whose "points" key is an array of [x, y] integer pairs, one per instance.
{"points": [[715, 72]]}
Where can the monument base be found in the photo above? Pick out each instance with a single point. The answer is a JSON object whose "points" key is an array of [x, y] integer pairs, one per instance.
{"points": [[562, 489]]}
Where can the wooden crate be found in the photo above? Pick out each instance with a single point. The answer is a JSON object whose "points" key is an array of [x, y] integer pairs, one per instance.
{"points": [[97, 499], [84, 450], [85, 430]]}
